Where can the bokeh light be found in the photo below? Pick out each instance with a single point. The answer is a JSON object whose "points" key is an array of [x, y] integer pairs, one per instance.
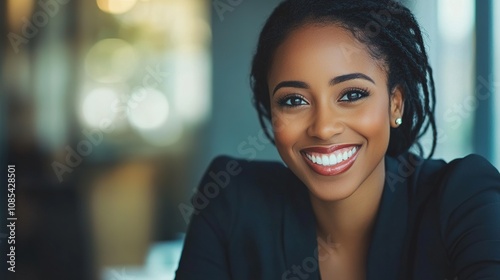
{"points": [[111, 60], [97, 106], [169, 133], [116, 6], [17, 10], [148, 108], [192, 99]]}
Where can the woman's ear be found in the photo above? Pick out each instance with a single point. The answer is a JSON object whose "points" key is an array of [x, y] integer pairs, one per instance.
{"points": [[397, 105]]}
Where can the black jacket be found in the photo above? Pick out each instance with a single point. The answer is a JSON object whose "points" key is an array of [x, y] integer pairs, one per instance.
{"points": [[253, 220]]}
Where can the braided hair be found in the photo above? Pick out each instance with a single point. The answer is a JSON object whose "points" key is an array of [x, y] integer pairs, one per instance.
{"points": [[392, 36]]}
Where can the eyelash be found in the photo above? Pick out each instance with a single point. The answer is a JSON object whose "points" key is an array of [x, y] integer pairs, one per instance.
{"points": [[362, 93], [285, 99]]}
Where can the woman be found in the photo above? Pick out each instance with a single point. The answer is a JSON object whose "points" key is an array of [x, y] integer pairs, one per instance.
{"points": [[348, 90]]}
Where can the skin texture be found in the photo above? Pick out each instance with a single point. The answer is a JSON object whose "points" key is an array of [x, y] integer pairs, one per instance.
{"points": [[345, 204]]}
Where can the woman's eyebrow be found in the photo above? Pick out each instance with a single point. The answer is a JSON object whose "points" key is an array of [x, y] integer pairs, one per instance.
{"points": [[348, 77], [334, 81], [294, 84]]}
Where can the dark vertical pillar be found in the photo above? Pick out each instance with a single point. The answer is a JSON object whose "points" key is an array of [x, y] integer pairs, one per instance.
{"points": [[483, 124]]}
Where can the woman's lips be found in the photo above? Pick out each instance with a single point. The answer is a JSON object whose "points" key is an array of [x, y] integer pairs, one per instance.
{"points": [[330, 161]]}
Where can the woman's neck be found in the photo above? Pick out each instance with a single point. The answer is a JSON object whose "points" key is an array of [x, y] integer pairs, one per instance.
{"points": [[349, 222]]}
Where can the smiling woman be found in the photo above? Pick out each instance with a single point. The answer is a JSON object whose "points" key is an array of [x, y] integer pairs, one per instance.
{"points": [[323, 118], [348, 91]]}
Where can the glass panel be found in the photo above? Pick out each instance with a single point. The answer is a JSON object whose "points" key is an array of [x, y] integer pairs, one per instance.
{"points": [[448, 27]]}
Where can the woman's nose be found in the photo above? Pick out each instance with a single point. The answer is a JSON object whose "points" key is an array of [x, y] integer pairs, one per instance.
{"points": [[325, 123]]}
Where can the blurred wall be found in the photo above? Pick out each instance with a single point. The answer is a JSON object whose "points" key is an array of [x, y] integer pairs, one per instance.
{"points": [[234, 128]]}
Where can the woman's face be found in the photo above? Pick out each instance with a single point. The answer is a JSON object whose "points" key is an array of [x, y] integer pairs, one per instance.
{"points": [[331, 110]]}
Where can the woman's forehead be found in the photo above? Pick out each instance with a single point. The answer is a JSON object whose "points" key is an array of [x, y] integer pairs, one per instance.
{"points": [[333, 50]]}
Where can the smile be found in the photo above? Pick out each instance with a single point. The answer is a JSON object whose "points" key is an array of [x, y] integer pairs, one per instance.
{"points": [[331, 161], [333, 158]]}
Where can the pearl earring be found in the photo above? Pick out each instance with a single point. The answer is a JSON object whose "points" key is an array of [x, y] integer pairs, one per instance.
{"points": [[399, 121]]}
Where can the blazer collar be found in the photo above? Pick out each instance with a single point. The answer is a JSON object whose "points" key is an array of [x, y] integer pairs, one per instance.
{"points": [[299, 233], [389, 232], [385, 255]]}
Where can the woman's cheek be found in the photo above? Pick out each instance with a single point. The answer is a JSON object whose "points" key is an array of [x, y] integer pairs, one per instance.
{"points": [[287, 130], [281, 129], [374, 123], [282, 122]]}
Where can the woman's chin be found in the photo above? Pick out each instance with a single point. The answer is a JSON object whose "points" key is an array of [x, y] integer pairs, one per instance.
{"points": [[330, 193]]}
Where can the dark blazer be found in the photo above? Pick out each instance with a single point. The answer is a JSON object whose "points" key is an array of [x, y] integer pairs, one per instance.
{"points": [[253, 220]]}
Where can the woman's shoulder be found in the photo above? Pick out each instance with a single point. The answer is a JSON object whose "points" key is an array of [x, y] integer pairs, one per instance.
{"points": [[234, 183], [468, 181], [450, 183], [472, 170], [467, 208], [456, 180], [460, 188], [471, 165], [471, 173], [235, 173]]}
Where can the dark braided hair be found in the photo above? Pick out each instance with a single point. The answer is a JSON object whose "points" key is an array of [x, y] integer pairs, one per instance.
{"points": [[392, 36]]}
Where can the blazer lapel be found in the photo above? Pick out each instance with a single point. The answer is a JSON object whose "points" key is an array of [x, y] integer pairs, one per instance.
{"points": [[299, 235], [385, 256]]}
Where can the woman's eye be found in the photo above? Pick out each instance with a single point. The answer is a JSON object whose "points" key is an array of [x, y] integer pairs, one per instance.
{"points": [[292, 101], [353, 95]]}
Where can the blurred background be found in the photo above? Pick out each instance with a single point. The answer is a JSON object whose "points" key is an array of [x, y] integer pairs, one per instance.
{"points": [[110, 111]]}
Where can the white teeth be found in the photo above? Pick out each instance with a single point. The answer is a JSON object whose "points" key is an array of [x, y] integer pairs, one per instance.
{"points": [[319, 160], [332, 159], [325, 160]]}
